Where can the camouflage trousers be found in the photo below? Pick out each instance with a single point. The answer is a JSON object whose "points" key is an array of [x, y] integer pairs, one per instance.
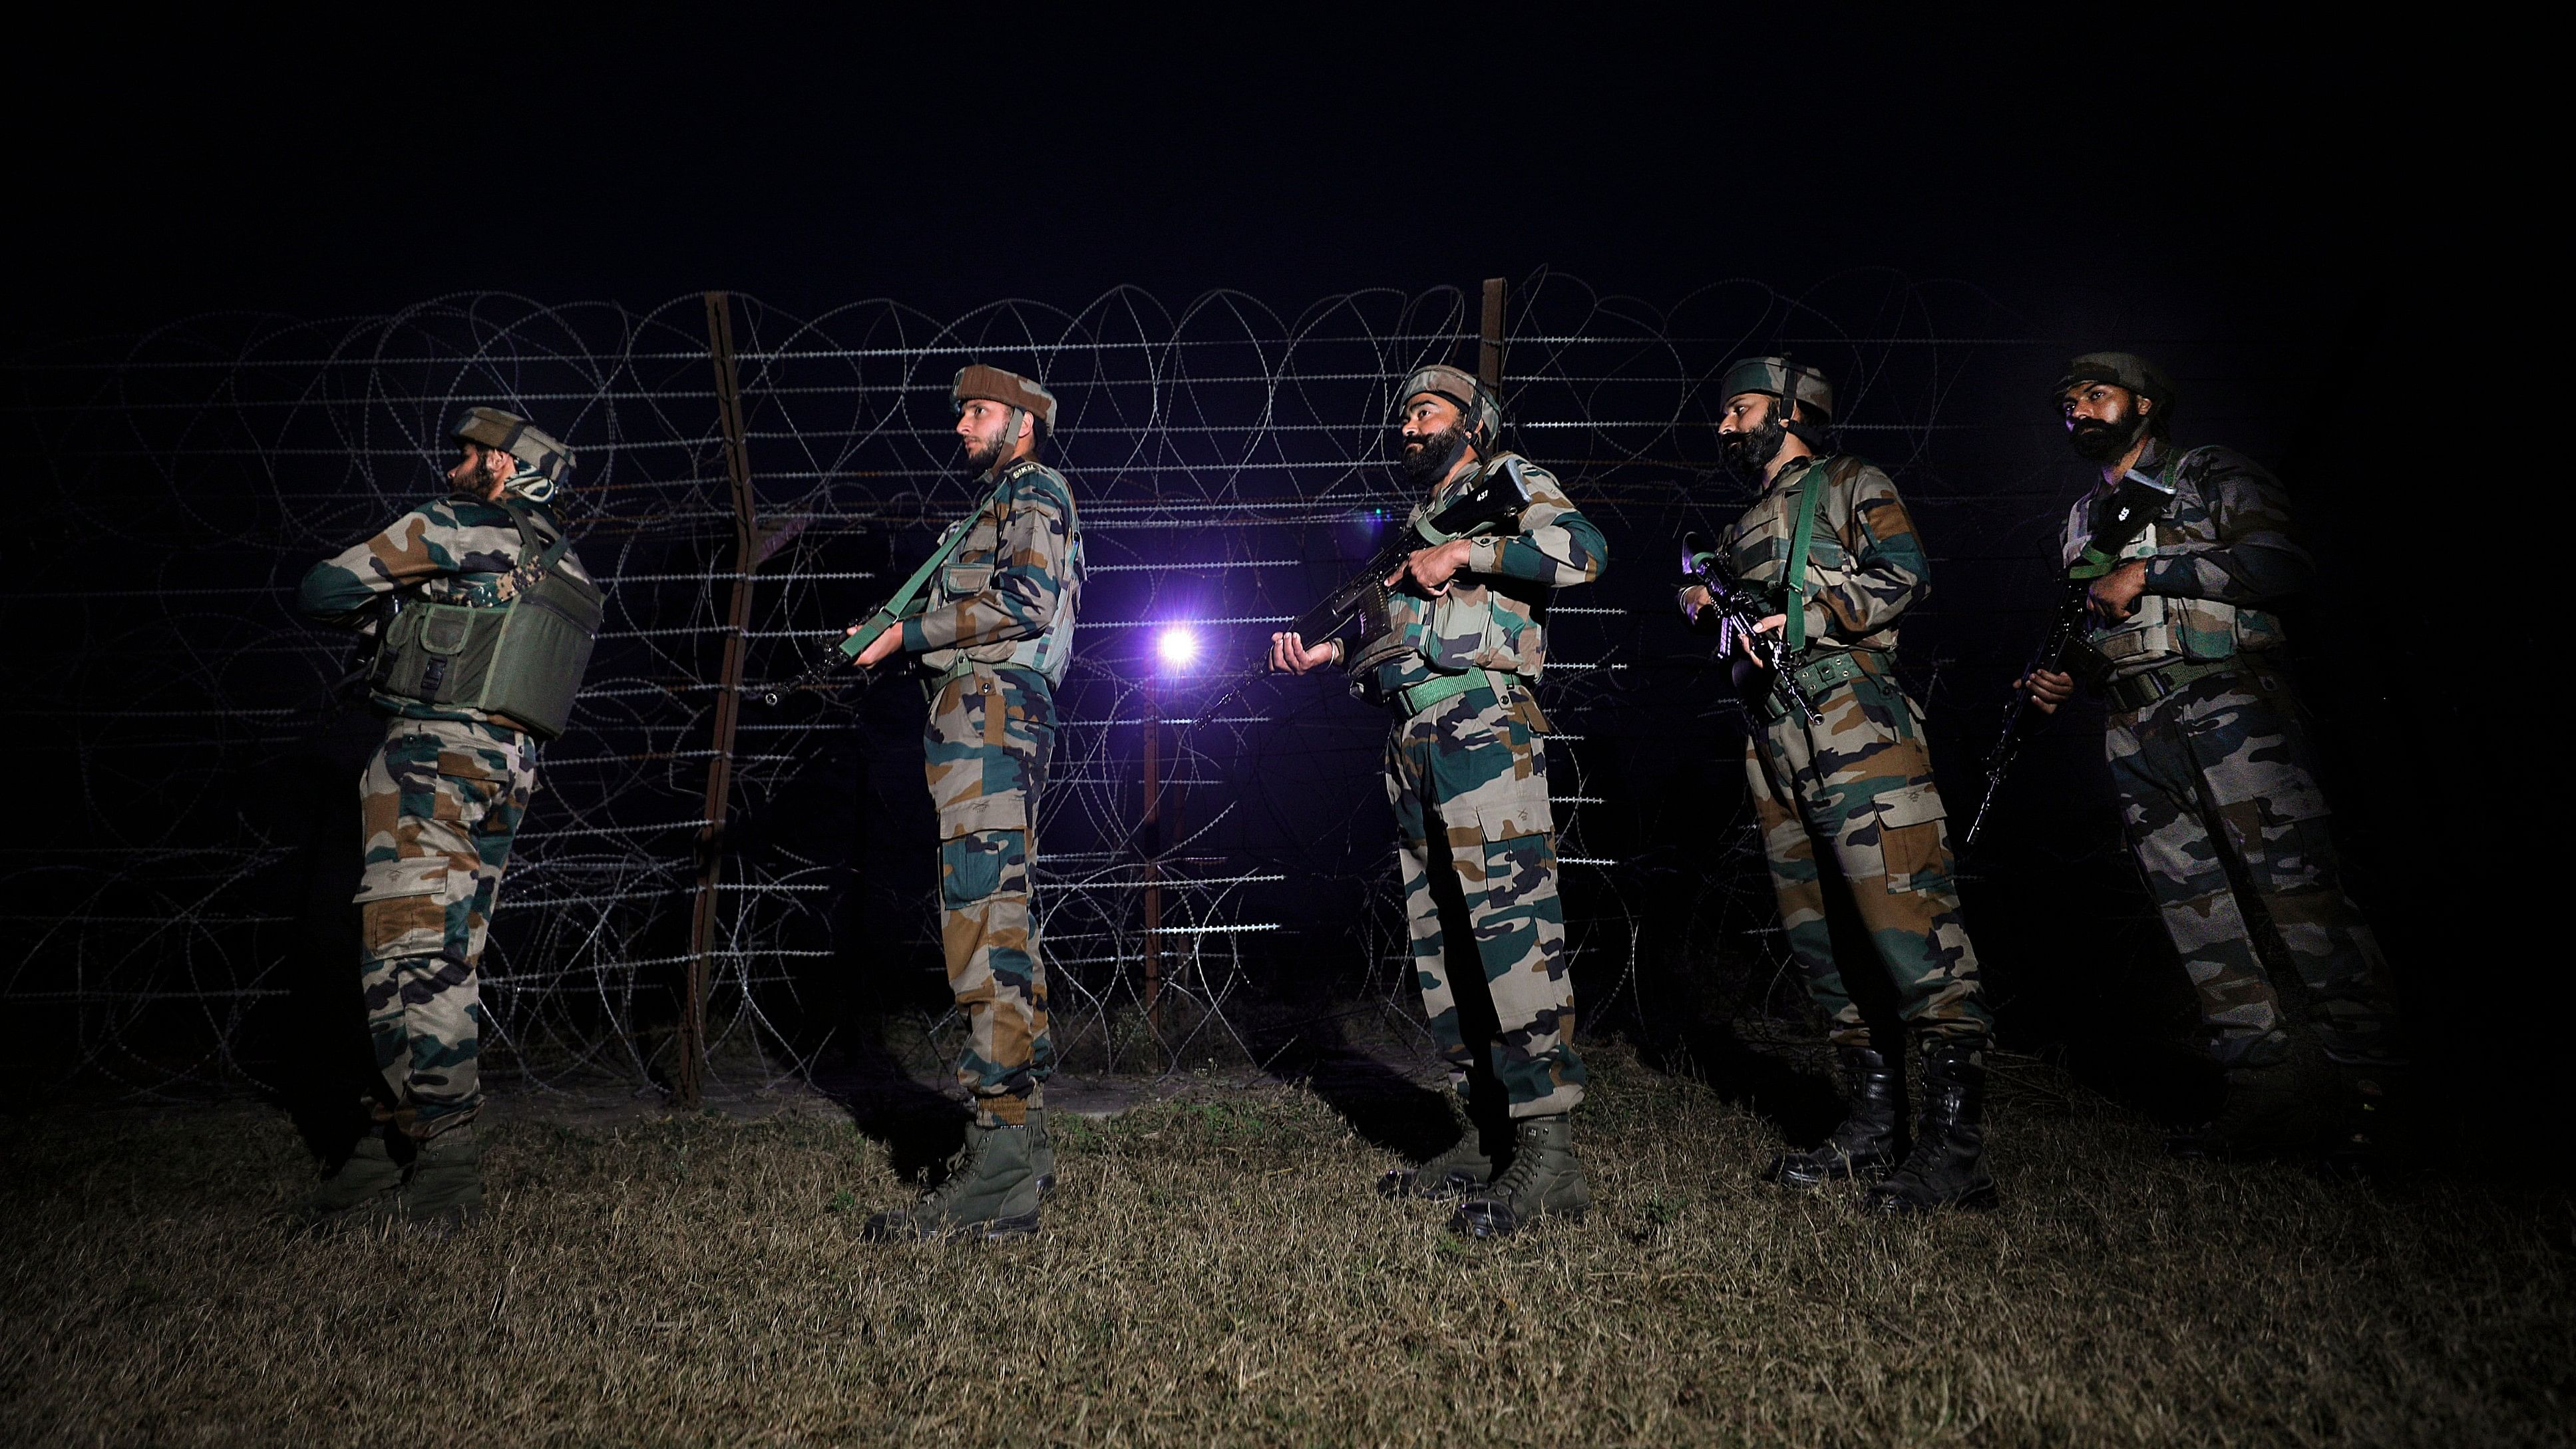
{"points": [[2215, 780], [439, 803], [987, 744], [1849, 815], [1468, 779]]}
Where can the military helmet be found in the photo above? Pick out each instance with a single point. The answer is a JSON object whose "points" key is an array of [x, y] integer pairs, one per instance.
{"points": [[1483, 416], [982, 382], [2120, 369], [535, 449], [1776, 375]]}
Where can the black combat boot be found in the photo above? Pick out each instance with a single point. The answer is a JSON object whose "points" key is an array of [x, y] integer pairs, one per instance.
{"points": [[1543, 1181], [366, 1187], [1868, 1142], [1946, 1167], [2357, 1146], [2264, 1113], [991, 1192], [1461, 1167], [445, 1191], [1041, 1152]]}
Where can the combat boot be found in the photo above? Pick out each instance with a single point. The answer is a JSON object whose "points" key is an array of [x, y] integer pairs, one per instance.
{"points": [[366, 1186], [1041, 1153], [445, 1191], [2264, 1112], [2358, 1145], [1870, 1139], [1461, 1167], [1543, 1181], [1946, 1166], [990, 1192]]}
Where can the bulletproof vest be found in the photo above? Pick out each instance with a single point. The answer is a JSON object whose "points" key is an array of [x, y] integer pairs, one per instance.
{"points": [[522, 659], [1052, 649], [2167, 628]]}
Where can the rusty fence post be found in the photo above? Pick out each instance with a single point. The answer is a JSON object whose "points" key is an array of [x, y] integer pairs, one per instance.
{"points": [[719, 801], [1489, 346]]}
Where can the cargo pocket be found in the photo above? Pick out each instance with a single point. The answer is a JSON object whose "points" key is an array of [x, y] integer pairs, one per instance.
{"points": [[983, 864], [961, 581], [466, 787], [1909, 837], [402, 908], [1507, 809]]}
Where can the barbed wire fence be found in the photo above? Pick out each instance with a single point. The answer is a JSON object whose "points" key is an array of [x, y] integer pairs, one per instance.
{"points": [[1232, 462]]}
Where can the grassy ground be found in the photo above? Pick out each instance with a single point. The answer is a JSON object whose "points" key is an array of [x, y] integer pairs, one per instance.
{"points": [[1215, 1270]]}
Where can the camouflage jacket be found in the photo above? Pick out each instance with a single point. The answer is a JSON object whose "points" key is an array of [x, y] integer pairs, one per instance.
{"points": [[2219, 549], [460, 550], [1865, 563], [1493, 615], [1010, 595]]}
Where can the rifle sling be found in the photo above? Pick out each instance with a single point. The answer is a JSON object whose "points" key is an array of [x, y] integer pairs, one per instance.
{"points": [[901, 599], [1809, 503]]}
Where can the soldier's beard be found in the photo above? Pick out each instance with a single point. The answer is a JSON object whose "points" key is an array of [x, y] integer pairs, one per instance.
{"points": [[981, 455], [2099, 441], [1431, 457], [1747, 454]]}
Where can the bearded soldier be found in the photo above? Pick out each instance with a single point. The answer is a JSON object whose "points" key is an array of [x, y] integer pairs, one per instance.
{"points": [[992, 637], [1453, 660], [484, 619], [1849, 816], [2210, 755]]}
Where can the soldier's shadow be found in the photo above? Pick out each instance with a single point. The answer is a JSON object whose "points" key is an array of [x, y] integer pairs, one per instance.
{"points": [[920, 1125], [1382, 1103]]}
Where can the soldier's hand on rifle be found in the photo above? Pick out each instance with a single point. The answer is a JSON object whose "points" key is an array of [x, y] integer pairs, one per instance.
{"points": [[878, 648], [2047, 688], [2114, 596], [1694, 599], [1770, 624], [1289, 654], [1432, 568]]}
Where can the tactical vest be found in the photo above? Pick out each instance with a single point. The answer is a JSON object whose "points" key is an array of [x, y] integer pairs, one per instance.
{"points": [[2166, 627], [1048, 653], [522, 659]]}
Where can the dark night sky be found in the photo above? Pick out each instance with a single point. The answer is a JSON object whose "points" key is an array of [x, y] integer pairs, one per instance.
{"points": [[2121, 170]]}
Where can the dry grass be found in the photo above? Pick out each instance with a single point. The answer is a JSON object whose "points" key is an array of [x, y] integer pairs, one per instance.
{"points": [[1216, 1271]]}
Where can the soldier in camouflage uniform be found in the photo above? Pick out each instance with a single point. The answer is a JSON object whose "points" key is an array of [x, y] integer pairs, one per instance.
{"points": [[1455, 662], [440, 803], [993, 636], [2209, 751], [1849, 816]]}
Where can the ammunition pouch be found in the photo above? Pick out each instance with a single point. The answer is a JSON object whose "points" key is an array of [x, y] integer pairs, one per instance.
{"points": [[521, 661]]}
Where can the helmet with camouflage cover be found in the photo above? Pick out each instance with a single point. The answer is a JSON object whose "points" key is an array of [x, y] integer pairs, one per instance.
{"points": [[1777, 376], [2122, 369], [1477, 409], [543, 462]]}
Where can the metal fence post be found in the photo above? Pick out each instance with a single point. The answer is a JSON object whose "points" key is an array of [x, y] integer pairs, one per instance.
{"points": [[719, 801], [1489, 347]]}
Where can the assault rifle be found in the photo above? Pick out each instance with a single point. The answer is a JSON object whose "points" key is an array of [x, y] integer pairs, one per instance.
{"points": [[1739, 607], [1491, 504], [2133, 506], [900, 605]]}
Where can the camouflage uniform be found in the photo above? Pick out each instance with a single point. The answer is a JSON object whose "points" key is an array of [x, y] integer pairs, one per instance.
{"points": [[440, 803], [1468, 778], [2210, 754], [1853, 797], [995, 634]]}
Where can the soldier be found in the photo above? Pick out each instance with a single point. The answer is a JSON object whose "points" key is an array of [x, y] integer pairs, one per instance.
{"points": [[1462, 643], [1850, 819], [2210, 754], [993, 637], [483, 618]]}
